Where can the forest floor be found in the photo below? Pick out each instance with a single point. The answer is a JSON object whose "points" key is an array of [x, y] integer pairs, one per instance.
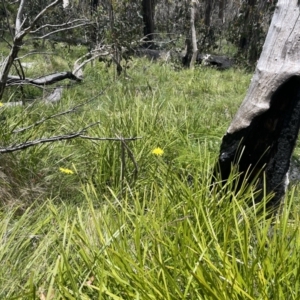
{"points": [[108, 219]]}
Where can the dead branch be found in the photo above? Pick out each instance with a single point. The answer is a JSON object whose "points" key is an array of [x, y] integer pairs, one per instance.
{"points": [[57, 138], [19, 22], [33, 53], [38, 17], [51, 139], [110, 138], [77, 68], [44, 80], [70, 23], [63, 29], [18, 41]]}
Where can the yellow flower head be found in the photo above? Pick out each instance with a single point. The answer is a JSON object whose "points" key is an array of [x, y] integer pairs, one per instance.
{"points": [[66, 171], [1, 104], [158, 151]]}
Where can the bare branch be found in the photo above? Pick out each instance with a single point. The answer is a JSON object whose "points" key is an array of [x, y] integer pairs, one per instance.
{"points": [[39, 15], [19, 17], [44, 80], [51, 139], [57, 138], [28, 144], [17, 44], [93, 52], [110, 138], [62, 29], [59, 25], [33, 53], [79, 67]]}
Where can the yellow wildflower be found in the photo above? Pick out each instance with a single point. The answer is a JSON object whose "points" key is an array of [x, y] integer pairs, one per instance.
{"points": [[1, 104], [158, 151], [66, 171]]}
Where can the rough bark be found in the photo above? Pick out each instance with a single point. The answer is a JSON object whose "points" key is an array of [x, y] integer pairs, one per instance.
{"points": [[263, 133]]}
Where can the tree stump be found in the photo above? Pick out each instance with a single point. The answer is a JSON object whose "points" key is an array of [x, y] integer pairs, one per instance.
{"points": [[261, 138]]}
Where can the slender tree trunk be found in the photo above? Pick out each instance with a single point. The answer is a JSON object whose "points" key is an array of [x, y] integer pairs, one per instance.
{"points": [[94, 6], [262, 135], [148, 7], [191, 39], [247, 37], [4, 72], [116, 53], [193, 34], [207, 15]]}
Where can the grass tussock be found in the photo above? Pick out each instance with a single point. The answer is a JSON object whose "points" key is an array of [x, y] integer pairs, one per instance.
{"points": [[99, 223]]}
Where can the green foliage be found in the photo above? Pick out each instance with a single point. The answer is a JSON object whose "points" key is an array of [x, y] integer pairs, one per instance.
{"points": [[164, 239], [98, 232]]}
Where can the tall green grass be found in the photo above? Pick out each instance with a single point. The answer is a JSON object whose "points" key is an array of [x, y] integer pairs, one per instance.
{"points": [[105, 233], [164, 239]]}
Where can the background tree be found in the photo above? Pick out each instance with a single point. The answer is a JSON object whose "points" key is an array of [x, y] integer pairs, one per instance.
{"points": [[148, 10], [207, 14], [247, 29], [191, 39], [221, 14]]}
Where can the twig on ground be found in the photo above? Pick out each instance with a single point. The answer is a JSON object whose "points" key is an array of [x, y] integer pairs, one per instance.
{"points": [[28, 144], [110, 138]]}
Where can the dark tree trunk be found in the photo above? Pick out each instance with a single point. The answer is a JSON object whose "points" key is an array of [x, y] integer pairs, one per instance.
{"points": [[221, 14], [94, 5], [8, 64], [207, 15], [148, 7], [260, 140], [248, 38]]}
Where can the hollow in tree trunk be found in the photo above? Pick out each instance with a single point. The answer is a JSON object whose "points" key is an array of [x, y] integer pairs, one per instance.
{"points": [[261, 138]]}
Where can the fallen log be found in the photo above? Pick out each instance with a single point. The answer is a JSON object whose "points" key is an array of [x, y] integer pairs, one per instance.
{"points": [[44, 80], [220, 62]]}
